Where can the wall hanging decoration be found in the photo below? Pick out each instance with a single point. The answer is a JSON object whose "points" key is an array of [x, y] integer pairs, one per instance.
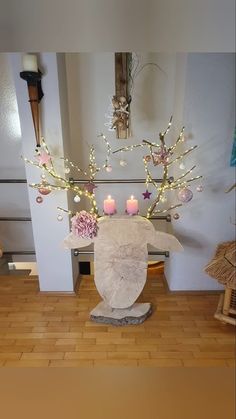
{"points": [[120, 241], [122, 98]]}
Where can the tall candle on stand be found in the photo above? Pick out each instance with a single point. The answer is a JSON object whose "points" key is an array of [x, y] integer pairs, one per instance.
{"points": [[29, 62], [109, 206], [132, 206]]}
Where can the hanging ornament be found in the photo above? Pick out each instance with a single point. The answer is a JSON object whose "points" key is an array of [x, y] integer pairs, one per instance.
{"points": [[182, 166], [90, 186], [147, 158], [185, 195], [44, 191], [108, 168], [146, 194], [39, 200], [176, 216], [161, 156], [67, 170], [123, 163], [43, 158], [77, 199], [199, 188], [59, 217]]}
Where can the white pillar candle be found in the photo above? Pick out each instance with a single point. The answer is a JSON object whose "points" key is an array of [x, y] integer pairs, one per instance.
{"points": [[29, 62], [109, 206], [132, 206]]}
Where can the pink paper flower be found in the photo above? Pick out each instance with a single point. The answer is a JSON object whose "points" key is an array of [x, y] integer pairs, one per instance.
{"points": [[84, 225]]}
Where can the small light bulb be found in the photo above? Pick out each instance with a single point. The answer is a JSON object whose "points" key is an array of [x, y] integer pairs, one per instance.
{"points": [[59, 217], [182, 166]]}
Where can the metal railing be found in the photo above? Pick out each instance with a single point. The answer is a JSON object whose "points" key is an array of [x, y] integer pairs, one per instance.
{"points": [[19, 252], [114, 181], [13, 181], [15, 219], [78, 252]]}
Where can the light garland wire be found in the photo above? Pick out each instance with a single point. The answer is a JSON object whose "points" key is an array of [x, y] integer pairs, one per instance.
{"points": [[93, 169]]}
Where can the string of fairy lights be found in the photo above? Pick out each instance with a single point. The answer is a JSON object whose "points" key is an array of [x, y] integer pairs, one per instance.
{"points": [[160, 155]]}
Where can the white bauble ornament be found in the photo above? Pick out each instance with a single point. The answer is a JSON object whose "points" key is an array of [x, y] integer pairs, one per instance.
{"points": [[176, 216], [123, 163], [77, 198], [59, 217], [67, 170], [108, 168], [199, 188]]}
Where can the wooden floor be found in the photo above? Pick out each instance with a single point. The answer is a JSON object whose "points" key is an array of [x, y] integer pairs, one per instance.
{"points": [[43, 330]]}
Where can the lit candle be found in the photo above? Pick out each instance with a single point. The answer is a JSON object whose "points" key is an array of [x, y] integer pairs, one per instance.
{"points": [[29, 62], [109, 206], [132, 206]]}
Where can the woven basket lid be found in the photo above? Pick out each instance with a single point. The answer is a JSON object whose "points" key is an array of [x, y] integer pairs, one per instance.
{"points": [[222, 266]]}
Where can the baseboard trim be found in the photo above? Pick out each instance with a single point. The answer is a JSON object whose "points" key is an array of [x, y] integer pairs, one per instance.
{"points": [[190, 292], [58, 293]]}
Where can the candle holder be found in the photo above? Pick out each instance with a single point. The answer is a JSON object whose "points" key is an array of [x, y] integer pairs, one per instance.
{"points": [[109, 215], [33, 80], [127, 213]]}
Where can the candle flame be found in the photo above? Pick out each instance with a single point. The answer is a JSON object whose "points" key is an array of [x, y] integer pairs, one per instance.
{"points": [[132, 197], [109, 197]]}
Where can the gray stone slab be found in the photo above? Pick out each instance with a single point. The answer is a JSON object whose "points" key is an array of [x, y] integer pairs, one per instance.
{"points": [[135, 314]]}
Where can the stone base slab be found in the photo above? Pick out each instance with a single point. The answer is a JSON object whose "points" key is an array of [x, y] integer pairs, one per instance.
{"points": [[135, 314]]}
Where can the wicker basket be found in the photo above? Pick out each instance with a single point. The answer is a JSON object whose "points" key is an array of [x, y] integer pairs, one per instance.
{"points": [[222, 268], [226, 310]]}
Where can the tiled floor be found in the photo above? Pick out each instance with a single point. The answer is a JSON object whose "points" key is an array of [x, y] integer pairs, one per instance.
{"points": [[41, 330]]}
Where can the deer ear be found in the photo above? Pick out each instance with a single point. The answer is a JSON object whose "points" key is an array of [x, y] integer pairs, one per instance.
{"points": [[74, 242], [165, 241]]}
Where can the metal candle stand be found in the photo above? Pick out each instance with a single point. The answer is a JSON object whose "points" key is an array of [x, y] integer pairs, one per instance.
{"points": [[33, 80]]}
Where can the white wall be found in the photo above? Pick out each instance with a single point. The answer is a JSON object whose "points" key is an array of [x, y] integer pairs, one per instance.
{"points": [[198, 90], [208, 111], [90, 79], [14, 200], [57, 272]]}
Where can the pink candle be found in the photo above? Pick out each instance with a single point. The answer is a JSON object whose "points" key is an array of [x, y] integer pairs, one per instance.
{"points": [[132, 206], [109, 206]]}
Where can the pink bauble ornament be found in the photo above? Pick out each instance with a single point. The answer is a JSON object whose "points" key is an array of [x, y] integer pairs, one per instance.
{"points": [[44, 191], [199, 188], [39, 200], [176, 216], [185, 195]]}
